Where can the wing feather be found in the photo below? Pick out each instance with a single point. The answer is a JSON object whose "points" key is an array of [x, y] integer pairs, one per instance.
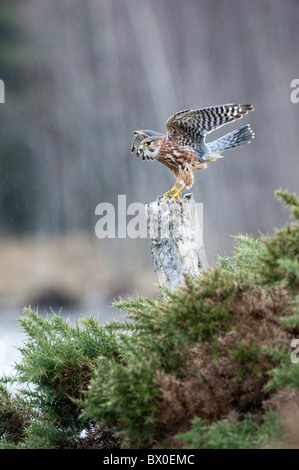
{"points": [[189, 127]]}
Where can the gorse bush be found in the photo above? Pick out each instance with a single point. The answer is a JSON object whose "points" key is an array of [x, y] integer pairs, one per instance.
{"points": [[249, 433], [205, 366], [56, 366]]}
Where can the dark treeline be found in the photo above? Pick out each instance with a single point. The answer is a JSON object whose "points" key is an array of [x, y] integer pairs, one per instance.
{"points": [[81, 76]]}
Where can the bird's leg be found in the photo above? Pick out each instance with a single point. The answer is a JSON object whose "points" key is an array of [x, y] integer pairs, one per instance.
{"points": [[177, 193], [172, 189]]}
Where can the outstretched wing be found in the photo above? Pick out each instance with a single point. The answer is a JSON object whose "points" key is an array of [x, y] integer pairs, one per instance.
{"points": [[189, 127], [139, 137]]}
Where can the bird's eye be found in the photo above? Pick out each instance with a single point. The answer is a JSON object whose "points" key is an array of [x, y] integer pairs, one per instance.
{"points": [[148, 143]]}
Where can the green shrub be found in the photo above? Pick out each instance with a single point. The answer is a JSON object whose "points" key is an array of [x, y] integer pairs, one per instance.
{"points": [[248, 433], [175, 369], [56, 365]]}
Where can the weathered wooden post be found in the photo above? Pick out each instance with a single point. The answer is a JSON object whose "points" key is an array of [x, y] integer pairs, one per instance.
{"points": [[176, 240]]}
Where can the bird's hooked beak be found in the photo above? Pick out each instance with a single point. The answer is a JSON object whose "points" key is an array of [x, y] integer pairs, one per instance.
{"points": [[141, 148]]}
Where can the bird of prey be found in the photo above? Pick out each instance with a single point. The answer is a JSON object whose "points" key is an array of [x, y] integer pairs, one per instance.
{"points": [[184, 148]]}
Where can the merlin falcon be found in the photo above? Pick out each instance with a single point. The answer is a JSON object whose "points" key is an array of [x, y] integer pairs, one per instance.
{"points": [[184, 148]]}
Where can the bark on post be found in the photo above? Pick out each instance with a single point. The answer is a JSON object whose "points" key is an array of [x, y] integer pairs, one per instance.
{"points": [[176, 240]]}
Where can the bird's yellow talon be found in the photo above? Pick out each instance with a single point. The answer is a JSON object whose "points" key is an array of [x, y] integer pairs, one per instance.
{"points": [[177, 194], [171, 190]]}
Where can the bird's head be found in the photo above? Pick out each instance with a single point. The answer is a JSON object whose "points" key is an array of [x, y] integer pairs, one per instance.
{"points": [[150, 146]]}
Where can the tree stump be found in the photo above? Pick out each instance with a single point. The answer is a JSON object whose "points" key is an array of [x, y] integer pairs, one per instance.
{"points": [[177, 246]]}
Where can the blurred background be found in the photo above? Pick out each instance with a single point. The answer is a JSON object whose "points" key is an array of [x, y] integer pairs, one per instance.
{"points": [[80, 76]]}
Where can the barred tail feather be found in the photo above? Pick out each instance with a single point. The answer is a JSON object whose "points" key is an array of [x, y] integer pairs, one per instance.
{"points": [[241, 136]]}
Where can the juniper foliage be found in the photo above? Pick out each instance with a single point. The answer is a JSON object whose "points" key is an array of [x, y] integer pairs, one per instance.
{"points": [[57, 360], [249, 433], [204, 366]]}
